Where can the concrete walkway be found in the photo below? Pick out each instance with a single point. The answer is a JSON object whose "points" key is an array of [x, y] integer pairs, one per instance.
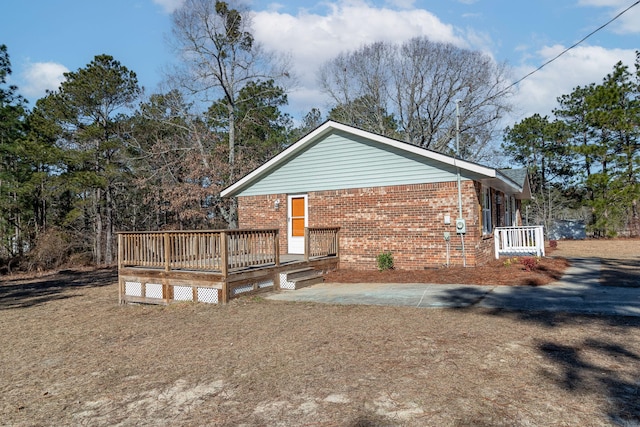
{"points": [[579, 291]]}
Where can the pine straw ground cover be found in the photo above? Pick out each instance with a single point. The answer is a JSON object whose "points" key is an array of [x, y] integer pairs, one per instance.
{"points": [[514, 271], [72, 356]]}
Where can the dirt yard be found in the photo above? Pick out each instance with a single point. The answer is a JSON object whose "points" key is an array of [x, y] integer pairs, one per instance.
{"points": [[72, 356]]}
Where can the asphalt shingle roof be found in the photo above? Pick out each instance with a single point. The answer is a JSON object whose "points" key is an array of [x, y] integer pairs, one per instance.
{"points": [[516, 175]]}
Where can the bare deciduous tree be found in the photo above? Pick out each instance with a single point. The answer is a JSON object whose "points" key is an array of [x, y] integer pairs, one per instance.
{"points": [[358, 84], [177, 159], [220, 57], [417, 83]]}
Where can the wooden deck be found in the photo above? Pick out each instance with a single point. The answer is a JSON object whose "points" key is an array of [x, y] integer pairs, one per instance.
{"points": [[215, 266]]}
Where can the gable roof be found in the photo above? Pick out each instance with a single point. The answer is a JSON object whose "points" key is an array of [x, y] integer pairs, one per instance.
{"points": [[485, 174], [518, 176], [521, 178]]}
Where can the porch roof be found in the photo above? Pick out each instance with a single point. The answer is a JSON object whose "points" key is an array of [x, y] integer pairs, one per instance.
{"points": [[521, 178]]}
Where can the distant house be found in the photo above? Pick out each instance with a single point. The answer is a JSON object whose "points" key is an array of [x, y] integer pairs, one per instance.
{"points": [[384, 195], [573, 229]]}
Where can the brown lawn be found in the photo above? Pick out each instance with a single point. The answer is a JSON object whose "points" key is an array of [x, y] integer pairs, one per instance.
{"points": [[72, 356]]}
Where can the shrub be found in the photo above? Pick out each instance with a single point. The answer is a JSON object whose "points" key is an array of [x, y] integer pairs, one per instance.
{"points": [[529, 263], [8, 264], [553, 244], [52, 249], [385, 261], [509, 261]]}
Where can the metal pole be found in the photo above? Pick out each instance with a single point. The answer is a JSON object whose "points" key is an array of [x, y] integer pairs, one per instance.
{"points": [[458, 156], [464, 257]]}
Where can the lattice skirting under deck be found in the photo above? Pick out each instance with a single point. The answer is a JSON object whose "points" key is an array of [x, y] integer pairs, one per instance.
{"points": [[285, 283], [155, 291]]}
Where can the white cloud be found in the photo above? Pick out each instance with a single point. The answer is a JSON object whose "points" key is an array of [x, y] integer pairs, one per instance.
{"points": [[628, 23], [39, 77], [402, 4], [580, 66], [625, 24], [169, 5], [480, 40], [311, 39], [313, 36], [274, 7], [603, 3]]}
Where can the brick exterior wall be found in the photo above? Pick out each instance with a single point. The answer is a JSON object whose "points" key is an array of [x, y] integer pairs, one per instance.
{"points": [[261, 212], [407, 220]]}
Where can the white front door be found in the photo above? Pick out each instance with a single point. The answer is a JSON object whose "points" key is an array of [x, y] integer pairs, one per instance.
{"points": [[297, 218]]}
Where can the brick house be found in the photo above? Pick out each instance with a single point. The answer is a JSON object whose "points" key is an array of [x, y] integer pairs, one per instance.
{"points": [[385, 195]]}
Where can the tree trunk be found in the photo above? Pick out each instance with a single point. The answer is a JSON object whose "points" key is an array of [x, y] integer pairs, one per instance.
{"points": [[108, 255], [97, 227], [233, 204]]}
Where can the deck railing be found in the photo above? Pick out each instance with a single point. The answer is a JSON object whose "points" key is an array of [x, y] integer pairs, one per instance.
{"points": [[249, 248], [519, 241], [321, 242], [222, 250]]}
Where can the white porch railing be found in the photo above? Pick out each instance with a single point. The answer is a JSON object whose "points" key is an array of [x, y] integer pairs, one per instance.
{"points": [[519, 240]]}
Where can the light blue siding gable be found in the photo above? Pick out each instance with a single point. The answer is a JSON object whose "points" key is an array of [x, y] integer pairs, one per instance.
{"points": [[341, 160]]}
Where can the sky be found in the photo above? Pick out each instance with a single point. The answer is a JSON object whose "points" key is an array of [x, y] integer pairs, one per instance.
{"points": [[46, 38]]}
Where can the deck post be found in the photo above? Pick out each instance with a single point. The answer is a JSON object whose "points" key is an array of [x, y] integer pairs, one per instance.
{"points": [[120, 289], [167, 252], [307, 244], [276, 247], [224, 254], [120, 281], [120, 250], [224, 265], [540, 240]]}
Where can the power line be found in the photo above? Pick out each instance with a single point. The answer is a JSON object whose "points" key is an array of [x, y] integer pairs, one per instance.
{"points": [[573, 45]]}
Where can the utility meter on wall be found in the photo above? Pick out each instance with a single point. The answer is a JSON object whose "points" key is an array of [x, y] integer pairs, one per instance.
{"points": [[461, 226]]}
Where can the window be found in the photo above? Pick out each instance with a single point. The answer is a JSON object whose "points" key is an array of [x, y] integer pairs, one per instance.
{"points": [[508, 210], [514, 211], [486, 211]]}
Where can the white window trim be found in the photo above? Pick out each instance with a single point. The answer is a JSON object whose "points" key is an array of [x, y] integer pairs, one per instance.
{"points": [[514, 211], [487, 220], [508, 210]]}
